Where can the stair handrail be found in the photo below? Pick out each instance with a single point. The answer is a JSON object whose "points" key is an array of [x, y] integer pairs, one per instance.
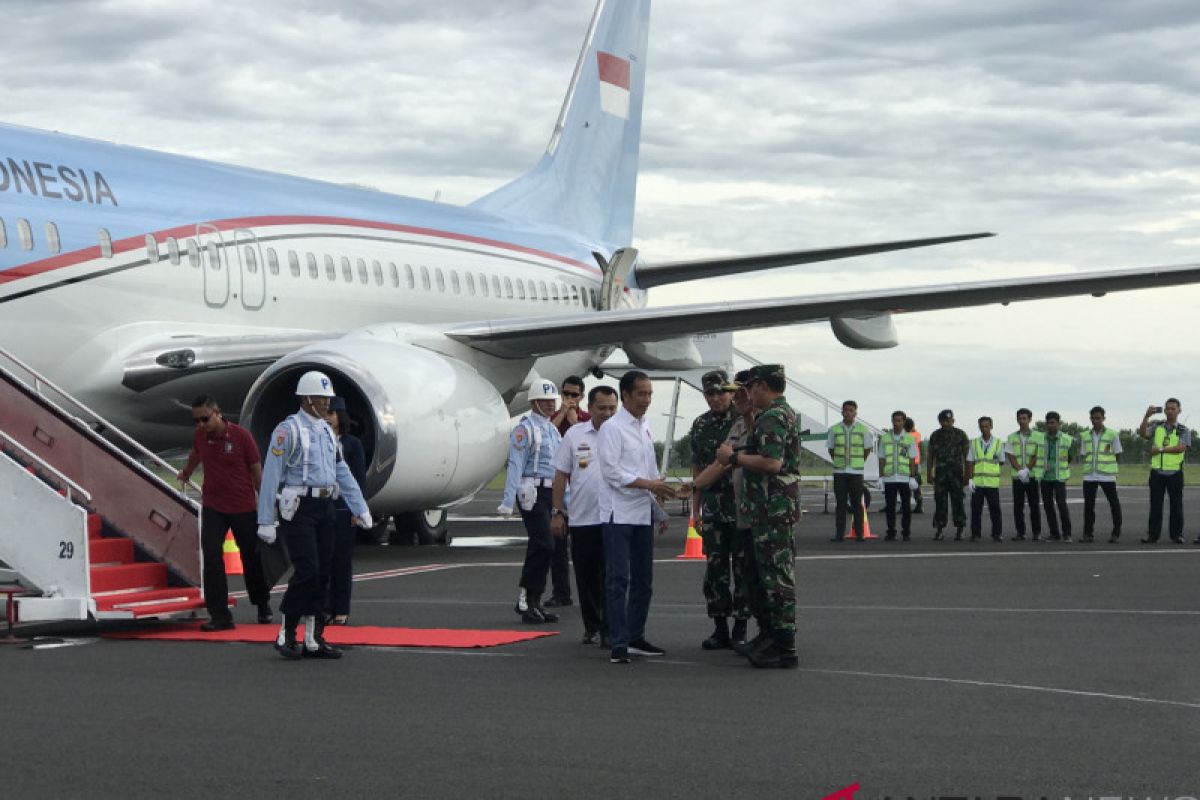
{"points": [[71, 485], [108, 427]]}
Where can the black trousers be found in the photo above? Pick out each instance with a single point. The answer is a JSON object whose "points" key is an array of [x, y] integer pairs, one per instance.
{"points": [[341, 570], [847, 488], [1089, 505], [560, 569], [587, 553], [991, 496], [539, 552], [1023, 492], [1054, 493], [1172, 485], [213, 526], [904, 492], [309, 537]]}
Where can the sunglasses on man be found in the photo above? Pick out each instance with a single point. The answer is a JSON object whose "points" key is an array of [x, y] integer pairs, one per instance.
{"points": [[572, 394], [202, 420]]}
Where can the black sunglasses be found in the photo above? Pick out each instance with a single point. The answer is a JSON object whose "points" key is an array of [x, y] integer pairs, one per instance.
{"points": [[201, 420], [572, 394]]}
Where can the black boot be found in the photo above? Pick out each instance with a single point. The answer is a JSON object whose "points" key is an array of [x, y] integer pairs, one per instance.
{"points": [[937, 535], [720, 635], [285, 642], [748, 647], [739, 632], [958, 531], [780, 653], [324, 649]]}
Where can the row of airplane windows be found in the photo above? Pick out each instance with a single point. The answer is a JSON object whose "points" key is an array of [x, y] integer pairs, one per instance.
{"points": [[518, 289]]}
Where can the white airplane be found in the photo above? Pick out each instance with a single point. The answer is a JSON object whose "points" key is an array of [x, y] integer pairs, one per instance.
{"points": [[137, 280]]}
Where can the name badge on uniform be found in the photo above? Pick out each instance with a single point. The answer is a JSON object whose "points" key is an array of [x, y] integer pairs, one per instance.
{"points": [[583, 455], [229, 447]]}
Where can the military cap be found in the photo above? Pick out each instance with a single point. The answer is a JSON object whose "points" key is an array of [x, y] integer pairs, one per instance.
{"points": [[715, 381], [945, 413], [763, 371], [739, 380]]}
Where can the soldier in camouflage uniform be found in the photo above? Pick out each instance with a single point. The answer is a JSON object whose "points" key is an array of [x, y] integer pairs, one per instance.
{"points": [[724, 589], [946, 470], [771, 470]]}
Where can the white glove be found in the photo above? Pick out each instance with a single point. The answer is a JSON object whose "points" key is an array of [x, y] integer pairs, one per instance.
{"points": [[912, 484], [1023, 475], [504, 510], [971, 486], [267, 533], [365, 521]]}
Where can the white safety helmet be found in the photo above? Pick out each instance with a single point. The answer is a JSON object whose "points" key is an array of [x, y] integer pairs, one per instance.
{"points": [[314, 384], [542, 390]]}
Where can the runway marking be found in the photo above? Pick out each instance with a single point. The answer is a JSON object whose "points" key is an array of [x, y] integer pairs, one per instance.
{"points": [[1147, 612], [373, 576], [1022, 553], [1000, 685], [482, 518]]}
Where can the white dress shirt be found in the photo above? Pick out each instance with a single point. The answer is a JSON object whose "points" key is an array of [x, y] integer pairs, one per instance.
{"points": [[626, 454], [577, 456]]}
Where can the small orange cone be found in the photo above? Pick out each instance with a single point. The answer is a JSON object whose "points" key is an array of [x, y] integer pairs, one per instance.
{"points": [[866, 524], [233, 556], [693, 545]]}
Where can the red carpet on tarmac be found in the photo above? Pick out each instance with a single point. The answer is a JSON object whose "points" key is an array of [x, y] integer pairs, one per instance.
{"points": [[365, 635]]}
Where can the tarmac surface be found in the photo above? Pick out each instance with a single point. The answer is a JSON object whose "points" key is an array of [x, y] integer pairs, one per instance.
{"points": [[950, 669]]}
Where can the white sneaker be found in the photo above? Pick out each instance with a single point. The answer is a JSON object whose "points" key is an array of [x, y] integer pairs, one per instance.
{"points": [[522, 602]]}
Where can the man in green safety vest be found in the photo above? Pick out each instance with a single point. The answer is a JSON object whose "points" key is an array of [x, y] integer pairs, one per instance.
{"points": [[984, 459], [849, 443], [1022, 449], [898, 456], [1098, 451], [1053, 468], [1168, 442]]}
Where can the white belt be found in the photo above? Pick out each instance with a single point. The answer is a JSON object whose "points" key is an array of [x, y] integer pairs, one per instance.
{"points": [[542, 483], [315, 491]]}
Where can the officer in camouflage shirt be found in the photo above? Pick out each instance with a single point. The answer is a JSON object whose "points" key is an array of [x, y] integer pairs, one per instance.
{"points": [[771, 471], [718, 516], [947, 471]]}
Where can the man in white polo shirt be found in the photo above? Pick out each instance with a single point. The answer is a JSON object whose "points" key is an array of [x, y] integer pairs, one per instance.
{"points": [[576, 464], [627, 502]]}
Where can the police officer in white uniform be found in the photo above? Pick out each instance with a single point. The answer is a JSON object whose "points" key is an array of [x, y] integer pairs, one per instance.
{"points": [[302, 475], [532, 446]]}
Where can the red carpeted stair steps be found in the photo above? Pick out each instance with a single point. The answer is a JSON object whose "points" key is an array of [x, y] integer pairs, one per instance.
{"points": [[107, 552]]}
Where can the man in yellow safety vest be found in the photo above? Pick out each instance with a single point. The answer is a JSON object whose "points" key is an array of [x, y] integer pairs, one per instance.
{"points": [[984, 459], [1053, 468], [1022, 448], [898, 470], [1168, 442], [1098, 450], [849, 444]]}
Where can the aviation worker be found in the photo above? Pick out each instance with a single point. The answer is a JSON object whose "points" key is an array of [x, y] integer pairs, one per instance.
{"points": [[1023, 449], [724, 592], [232, 474], [910, 427], [946, 470], [629, 507], [1055, 470], [849, 443], [1099, 447], [1169, 441], [576, 465], [984, 460], [771, 471], [304, 473], [529, 487], [898, 459], [567, 416], [341, 576]]}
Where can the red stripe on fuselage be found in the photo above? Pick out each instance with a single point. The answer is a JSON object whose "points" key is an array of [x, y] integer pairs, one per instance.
{"points": [[613, 70], [134, 242]]}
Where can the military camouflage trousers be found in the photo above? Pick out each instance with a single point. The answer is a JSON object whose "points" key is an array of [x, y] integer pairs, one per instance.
{"points": [[948, 488], [775, 557], [725, 589]]}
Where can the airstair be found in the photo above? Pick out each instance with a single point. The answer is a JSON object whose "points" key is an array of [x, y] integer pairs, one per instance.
{"points": [[90, 531]]}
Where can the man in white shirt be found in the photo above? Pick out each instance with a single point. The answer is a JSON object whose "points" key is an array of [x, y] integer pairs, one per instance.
{"points": [[627, 502], [576, 464], [1098, 450]]}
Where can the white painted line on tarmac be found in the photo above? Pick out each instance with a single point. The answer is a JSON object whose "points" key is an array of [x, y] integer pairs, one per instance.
{"points": [[482, 518], [1081, 551], [488, 541], [985, 610], [1128, 698]]}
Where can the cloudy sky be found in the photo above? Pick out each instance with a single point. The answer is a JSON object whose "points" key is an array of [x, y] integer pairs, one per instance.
{"points": [[1070, 128]]}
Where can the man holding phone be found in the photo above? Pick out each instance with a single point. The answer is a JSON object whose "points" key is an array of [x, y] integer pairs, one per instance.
{"points": [[1168, 442]]}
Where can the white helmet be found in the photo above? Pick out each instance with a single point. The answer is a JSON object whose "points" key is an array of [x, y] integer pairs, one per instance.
{"points": [[542, 390], [314, 384]]}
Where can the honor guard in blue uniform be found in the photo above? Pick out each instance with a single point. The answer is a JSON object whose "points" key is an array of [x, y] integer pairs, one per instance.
{"points": [[528, 487], [303, 474]]}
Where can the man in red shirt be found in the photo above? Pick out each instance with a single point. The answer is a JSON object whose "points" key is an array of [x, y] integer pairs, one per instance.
{"points": [[229, 502], [570, 414]]}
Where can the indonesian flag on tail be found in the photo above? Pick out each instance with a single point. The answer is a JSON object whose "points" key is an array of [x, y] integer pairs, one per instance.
{"points": [[614, 84]]}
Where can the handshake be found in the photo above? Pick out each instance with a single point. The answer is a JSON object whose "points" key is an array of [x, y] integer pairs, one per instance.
{"points": [[665, 490]]}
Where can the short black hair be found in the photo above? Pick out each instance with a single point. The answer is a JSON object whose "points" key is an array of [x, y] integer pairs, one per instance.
{"points": [[602, 389], [989, 420], [344, 422], [776, 383], [901, 413], [1095, 409], [630, 379], [909, 424], [850, 403], [1174, 400], [1053, 415], [1025, 411], [205, 401], [572, 380]]}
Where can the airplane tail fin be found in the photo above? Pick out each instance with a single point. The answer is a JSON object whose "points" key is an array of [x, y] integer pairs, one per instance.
{"points": [[587, 179]]}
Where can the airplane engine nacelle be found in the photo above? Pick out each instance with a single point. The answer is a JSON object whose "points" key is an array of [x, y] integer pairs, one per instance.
{"points": [[865, 331], [666, 354], [434, 430]]}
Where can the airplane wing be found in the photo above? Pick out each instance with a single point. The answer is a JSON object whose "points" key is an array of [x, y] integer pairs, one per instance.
{"points": [[524, 337], [647, 276]]}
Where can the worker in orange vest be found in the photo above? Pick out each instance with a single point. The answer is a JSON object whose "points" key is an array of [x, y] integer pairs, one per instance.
{"points": [[911, 429]]}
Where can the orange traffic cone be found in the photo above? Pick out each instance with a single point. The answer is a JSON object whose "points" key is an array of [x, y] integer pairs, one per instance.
{"points": [[693, 545], [233, 556], [866, 524]]}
